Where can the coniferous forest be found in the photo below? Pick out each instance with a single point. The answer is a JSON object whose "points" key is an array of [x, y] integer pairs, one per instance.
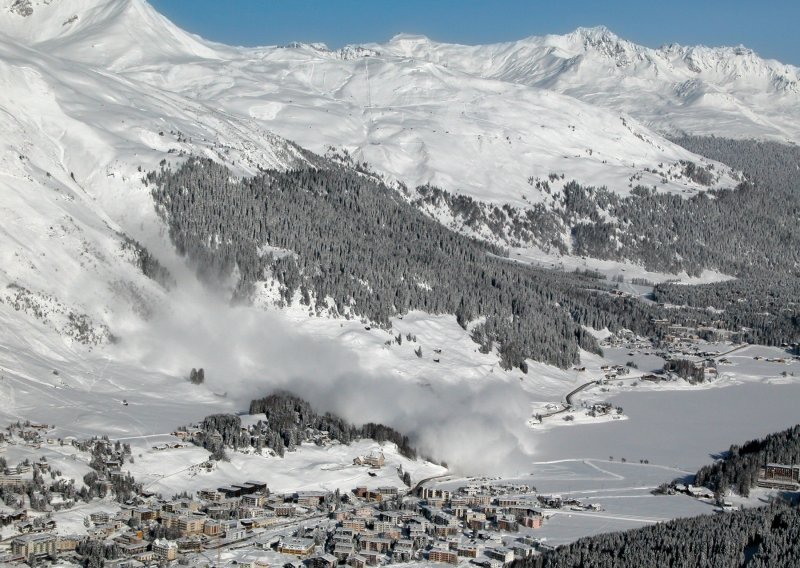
{"points": [[764, 537], [340, 242], [738, 470], [758, 537]]}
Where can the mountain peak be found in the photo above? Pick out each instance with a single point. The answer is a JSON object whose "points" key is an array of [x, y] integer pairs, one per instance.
{"points": [[105, 32], [596, 33]]}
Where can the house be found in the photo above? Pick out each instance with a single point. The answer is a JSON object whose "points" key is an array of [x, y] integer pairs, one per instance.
{"points": [[189, 526], [343, 550], [780, 472], [468, 550], [189, 544], [377, 544], [166, 550], [357, 561], [374, 459], [68, 543], [323, 561]]}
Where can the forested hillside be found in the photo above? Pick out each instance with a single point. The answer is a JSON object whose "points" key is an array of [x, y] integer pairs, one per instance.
{"points": [[742, 231], [756, 538], [767, 307], [358, 248], [738, 471]]}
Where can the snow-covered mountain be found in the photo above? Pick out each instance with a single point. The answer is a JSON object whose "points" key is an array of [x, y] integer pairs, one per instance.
{"points": [[726, 91], [95, 93], [412, 118], [75, 141]]}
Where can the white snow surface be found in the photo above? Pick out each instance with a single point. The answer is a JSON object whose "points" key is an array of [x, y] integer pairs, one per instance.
{"points": [[726, 91]]}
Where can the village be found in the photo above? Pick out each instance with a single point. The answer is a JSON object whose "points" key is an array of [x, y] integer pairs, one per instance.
{"points": [[246, 524]]}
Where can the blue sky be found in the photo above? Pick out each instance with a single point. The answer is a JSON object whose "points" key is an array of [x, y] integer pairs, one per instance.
{"points": [[769, 26]]}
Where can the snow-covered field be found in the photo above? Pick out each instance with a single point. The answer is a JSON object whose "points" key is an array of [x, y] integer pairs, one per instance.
{"points": [[310, 468]]}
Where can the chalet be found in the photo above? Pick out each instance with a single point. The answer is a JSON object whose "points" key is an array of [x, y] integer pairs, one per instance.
{"points": [[698, 492], [374, 459]]}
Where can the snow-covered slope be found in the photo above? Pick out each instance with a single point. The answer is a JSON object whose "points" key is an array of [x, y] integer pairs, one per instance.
{"points": [[110, 34], [414, 119], [727, 91], [75, 141]]}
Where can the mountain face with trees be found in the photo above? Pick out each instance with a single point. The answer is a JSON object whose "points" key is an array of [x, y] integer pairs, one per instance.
{"points": [[357, 248], [748, 230], [354, 247], [738, 470]]}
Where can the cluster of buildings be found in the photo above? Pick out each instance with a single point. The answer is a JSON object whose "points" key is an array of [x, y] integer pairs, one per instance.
{"points": [[437, 525], [492, 524]]}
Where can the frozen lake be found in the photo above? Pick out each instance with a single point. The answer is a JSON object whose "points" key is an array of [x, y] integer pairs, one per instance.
{"points": [[677, 428]]}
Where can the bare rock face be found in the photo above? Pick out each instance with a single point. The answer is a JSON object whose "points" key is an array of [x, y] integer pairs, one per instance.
{"points": [[22, 8]]}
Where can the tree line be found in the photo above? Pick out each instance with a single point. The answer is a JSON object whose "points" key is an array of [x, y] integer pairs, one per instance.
{"points": [[288, 422], [763, 537], [738, 470]]}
